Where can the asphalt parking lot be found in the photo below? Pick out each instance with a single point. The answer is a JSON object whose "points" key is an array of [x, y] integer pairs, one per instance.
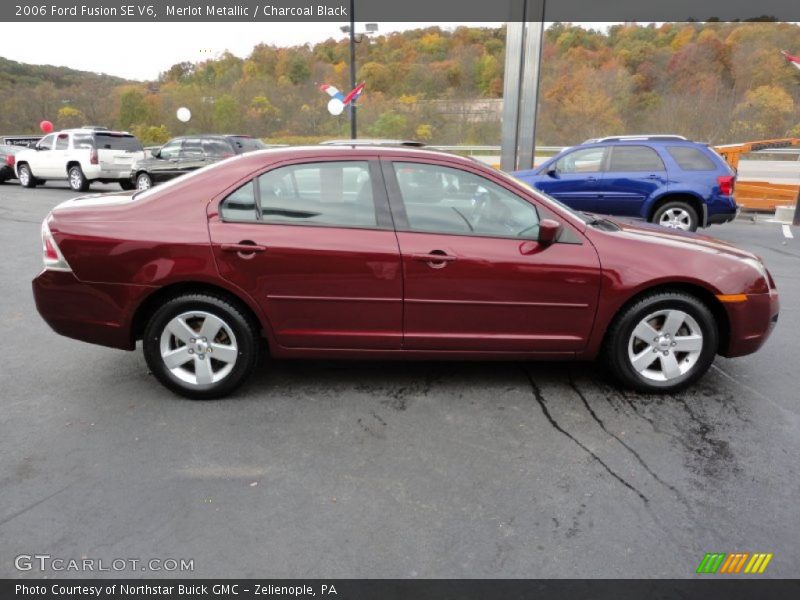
{"points": [[336, 469]]}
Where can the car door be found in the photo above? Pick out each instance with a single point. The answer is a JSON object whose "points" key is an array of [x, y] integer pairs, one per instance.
{"points": [[632, 174], [475, 278], [576, 178], [57, 157], [40, 161], [313, 244], [165, 166], [191, 156]]}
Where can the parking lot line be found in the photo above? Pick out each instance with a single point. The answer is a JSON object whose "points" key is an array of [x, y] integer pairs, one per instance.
{"points": [[787, 232]]}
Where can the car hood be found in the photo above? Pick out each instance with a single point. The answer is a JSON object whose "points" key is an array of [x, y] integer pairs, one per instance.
{"points": [[657, 235]]}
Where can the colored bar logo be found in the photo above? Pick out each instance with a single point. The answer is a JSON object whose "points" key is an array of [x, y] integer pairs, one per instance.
{"points": [[739, 562]]}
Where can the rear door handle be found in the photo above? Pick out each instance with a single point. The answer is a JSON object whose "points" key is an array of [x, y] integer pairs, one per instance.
{"points": [[243, 248]]}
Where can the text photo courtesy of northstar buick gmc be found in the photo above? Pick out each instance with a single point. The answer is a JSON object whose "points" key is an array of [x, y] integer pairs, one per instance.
{"points": [[388, 253]]}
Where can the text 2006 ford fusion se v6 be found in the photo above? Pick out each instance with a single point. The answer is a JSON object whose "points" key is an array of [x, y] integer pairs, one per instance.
{"points": [[378, 252]]}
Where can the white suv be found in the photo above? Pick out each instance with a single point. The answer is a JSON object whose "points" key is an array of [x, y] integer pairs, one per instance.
{"points": [[81, 156]]}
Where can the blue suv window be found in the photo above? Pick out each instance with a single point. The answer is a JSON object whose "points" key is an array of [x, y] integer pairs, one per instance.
{"points": [[634, 158], [588, 160], [691, 159]]}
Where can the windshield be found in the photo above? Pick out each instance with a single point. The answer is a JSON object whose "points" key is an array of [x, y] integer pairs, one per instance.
{"points": [[109, 141]]}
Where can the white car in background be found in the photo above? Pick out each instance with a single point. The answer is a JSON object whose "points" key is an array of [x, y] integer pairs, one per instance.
{"points": [[81, 156]]}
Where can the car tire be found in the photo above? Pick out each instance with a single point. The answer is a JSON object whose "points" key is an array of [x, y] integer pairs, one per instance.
{"points": [[143, 181], [663, 342], [194, 365], [676, 214], [77, 180], [26, 178], [127, 184]]}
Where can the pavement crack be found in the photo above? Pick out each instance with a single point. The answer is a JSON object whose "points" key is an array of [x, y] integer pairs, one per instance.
{"points": [[537, 394], [22, 511], [624, 444]]}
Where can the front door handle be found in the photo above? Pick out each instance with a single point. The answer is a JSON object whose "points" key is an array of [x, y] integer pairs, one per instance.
{"points": [[243, 248], [435, 259]]}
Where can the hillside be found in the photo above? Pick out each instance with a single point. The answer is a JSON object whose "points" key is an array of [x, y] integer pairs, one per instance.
{"points": [[719, 82]]}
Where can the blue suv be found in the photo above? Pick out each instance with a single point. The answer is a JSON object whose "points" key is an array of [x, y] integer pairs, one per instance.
{"points": [[665, 179]]}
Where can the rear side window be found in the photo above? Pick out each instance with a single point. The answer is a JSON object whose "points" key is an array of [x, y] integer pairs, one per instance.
{"points": [[82, 140], [216, 148], [127, 143], [337, 194], [635, 158], [240, 205], [192, 148], [62, 141], [691, 159]]}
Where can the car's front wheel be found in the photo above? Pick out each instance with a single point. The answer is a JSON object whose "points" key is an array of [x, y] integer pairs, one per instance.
{"points": [[201, 346], [663, 342], [676, 214], [77, 180], [143, 181], [26, 178]]}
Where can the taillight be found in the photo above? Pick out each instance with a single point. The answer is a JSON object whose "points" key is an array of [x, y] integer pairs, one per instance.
{"points": [[93, 157], [10, 160], [726, 184], [53, 259]]}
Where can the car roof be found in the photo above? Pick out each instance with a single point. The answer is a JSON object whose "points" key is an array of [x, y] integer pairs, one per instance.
{"points": [[95, 131], [336, 150]]}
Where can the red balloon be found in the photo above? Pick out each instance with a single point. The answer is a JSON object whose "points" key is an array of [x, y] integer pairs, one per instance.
{"points": [[46, 126]]}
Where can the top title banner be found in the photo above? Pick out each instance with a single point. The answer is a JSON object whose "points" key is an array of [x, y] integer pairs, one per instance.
{"points": [[397, 10]]}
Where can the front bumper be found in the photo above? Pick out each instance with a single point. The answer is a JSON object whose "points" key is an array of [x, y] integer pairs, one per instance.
{"points": [[751, 323], [97, 313]]}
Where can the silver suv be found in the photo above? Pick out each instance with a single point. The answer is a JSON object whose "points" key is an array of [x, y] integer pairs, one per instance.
{"points": [[81, 156]]}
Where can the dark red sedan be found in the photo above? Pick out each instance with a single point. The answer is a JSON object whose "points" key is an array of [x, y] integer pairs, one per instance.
{"points": [[376, 252]]}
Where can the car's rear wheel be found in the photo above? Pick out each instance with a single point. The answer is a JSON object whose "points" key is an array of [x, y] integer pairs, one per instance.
{"points": [[676, 215], [201, 346], [663, 342], [126, 184], [77, 180], [143, 181], [26, 178]]}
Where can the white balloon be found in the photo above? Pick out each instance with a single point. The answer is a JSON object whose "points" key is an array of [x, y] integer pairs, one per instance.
{"points": [[335, 107], [184, 114]]}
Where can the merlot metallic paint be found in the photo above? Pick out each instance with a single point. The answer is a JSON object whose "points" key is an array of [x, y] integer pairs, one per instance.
{"points": [[371, 293]]}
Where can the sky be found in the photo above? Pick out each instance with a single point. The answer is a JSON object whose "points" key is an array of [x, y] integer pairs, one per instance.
{"points": [[119, 49]]}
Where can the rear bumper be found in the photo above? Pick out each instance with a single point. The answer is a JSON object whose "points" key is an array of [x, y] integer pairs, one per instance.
{"points": [[751, 323], [725, 217], [97, 313]]}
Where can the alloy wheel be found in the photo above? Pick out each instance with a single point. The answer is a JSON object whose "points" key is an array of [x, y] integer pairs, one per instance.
{"points": [[676, 218], [665, 345], [198, 348]]}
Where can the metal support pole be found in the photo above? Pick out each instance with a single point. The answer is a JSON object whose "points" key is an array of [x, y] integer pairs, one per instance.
{"points": [[521, 86], [353, 124], [796, 219]]}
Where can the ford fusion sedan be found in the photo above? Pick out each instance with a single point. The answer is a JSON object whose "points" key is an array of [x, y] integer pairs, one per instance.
{"points": [[387, 253]]}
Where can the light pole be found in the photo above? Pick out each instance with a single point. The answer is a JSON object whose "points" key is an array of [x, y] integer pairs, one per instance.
{"points": [[351, 29]]}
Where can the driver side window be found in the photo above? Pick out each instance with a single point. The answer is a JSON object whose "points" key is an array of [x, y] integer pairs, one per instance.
{"points": [[171, 150], [589, 160], [46, 143], [446, 200]]}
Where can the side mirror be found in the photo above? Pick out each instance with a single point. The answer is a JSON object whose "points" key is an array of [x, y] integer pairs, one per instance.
{"points": [[156, 153], [553, 172], [548, 231]]}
